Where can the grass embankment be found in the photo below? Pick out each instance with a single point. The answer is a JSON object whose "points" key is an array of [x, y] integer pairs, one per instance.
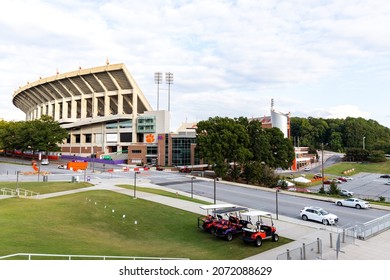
{"points": [[338, 169], [45, 187], [164, 193], [85, 223]]}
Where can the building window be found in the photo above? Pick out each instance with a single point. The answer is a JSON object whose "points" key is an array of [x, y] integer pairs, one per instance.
{"points": [[88, 138], [125, 137], [135, 151]]}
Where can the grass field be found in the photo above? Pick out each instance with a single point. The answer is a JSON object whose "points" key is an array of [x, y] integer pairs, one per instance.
{"points": [[338, 169], [46, 187], [85, 223]]}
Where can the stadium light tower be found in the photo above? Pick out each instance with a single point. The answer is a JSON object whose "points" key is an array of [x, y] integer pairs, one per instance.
{"points": [[169, 81], [158, 81]]}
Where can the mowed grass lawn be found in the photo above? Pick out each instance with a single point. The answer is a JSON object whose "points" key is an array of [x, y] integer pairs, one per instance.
{"points": [[85, 224], [380, 167], [45, 187]]}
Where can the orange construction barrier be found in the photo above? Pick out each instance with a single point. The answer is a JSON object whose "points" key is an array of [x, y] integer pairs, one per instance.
{"points": [[77, 165]]}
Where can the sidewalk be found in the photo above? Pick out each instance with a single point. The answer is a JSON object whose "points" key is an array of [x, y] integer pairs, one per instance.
{"points": [[375, 248]]}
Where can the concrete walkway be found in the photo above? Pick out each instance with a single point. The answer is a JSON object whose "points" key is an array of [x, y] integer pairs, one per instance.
{"points": [[375, 248]]}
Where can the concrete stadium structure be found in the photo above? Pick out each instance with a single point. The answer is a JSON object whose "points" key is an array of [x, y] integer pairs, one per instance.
{"points": [[103, 109], [108, 116]]}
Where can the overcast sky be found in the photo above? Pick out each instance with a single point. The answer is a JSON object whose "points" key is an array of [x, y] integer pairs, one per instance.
{"points": [[319, 58]]}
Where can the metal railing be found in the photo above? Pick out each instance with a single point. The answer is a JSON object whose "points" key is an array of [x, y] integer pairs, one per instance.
{"points": [[31, 256], [309, 251], [371, 228], [8, 191]]}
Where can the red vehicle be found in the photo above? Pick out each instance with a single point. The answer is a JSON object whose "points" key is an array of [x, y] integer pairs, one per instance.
{"points": [[159, 168], [213, 216], [256, 230], [232, 225], [185, 170]]}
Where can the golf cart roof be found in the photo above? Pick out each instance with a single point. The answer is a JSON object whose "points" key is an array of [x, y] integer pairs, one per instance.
{"points": [[256, 214], [230, 209], [217, 206]]}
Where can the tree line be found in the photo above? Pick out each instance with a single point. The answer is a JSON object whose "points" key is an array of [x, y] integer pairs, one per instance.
{"points": [[42, 134], [241, 149], [359, 138]]}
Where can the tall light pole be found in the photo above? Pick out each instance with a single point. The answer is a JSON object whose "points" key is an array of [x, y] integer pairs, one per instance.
{"points": [[215, 190], [277, 205], [135, 184], [364, 142], [322, 164], [169, 81], [158, 81], [192, 187]]}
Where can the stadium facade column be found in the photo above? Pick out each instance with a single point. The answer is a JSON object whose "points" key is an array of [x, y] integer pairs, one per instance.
{"points": [[38, 112], [73, 108], [56, 110], [120, 102], [134, 117], [94, 105], [49, 111], [64, 109], [83, 107], [106, 104]]}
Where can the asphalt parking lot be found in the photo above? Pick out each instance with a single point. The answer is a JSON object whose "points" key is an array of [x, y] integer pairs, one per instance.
{"points": [[365, 186]]}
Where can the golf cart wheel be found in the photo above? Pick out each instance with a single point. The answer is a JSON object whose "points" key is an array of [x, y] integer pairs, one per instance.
{"points": [[229, 236], [325, 222], [275, 237], [259, 241]]}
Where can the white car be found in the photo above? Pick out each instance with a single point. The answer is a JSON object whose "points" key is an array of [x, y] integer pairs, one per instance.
{"points": [[45, 161], [353, 202], [318, 214], [345, 192], [306, 169]]}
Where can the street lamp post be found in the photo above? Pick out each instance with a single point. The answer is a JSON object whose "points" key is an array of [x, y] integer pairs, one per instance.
{"points": [[192, 187], [322, 164], [135, 184], [277, 205], [215, 190], [364, 142]]}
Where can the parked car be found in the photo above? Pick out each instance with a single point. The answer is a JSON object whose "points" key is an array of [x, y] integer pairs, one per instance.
{"points": [[260, 226], [345, 192], [343, 179], [306, 169], [353, 202], [385, 176], [159, 168], [387, 183], [45, 161], [303, 190], [318, 214]]}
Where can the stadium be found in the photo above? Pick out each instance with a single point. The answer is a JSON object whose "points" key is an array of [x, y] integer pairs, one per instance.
{"points": [[109, 118], [103, 109]]}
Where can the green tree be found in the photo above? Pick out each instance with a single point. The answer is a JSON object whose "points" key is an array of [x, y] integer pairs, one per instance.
{"points": [[222, 142], [37, 135]]}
